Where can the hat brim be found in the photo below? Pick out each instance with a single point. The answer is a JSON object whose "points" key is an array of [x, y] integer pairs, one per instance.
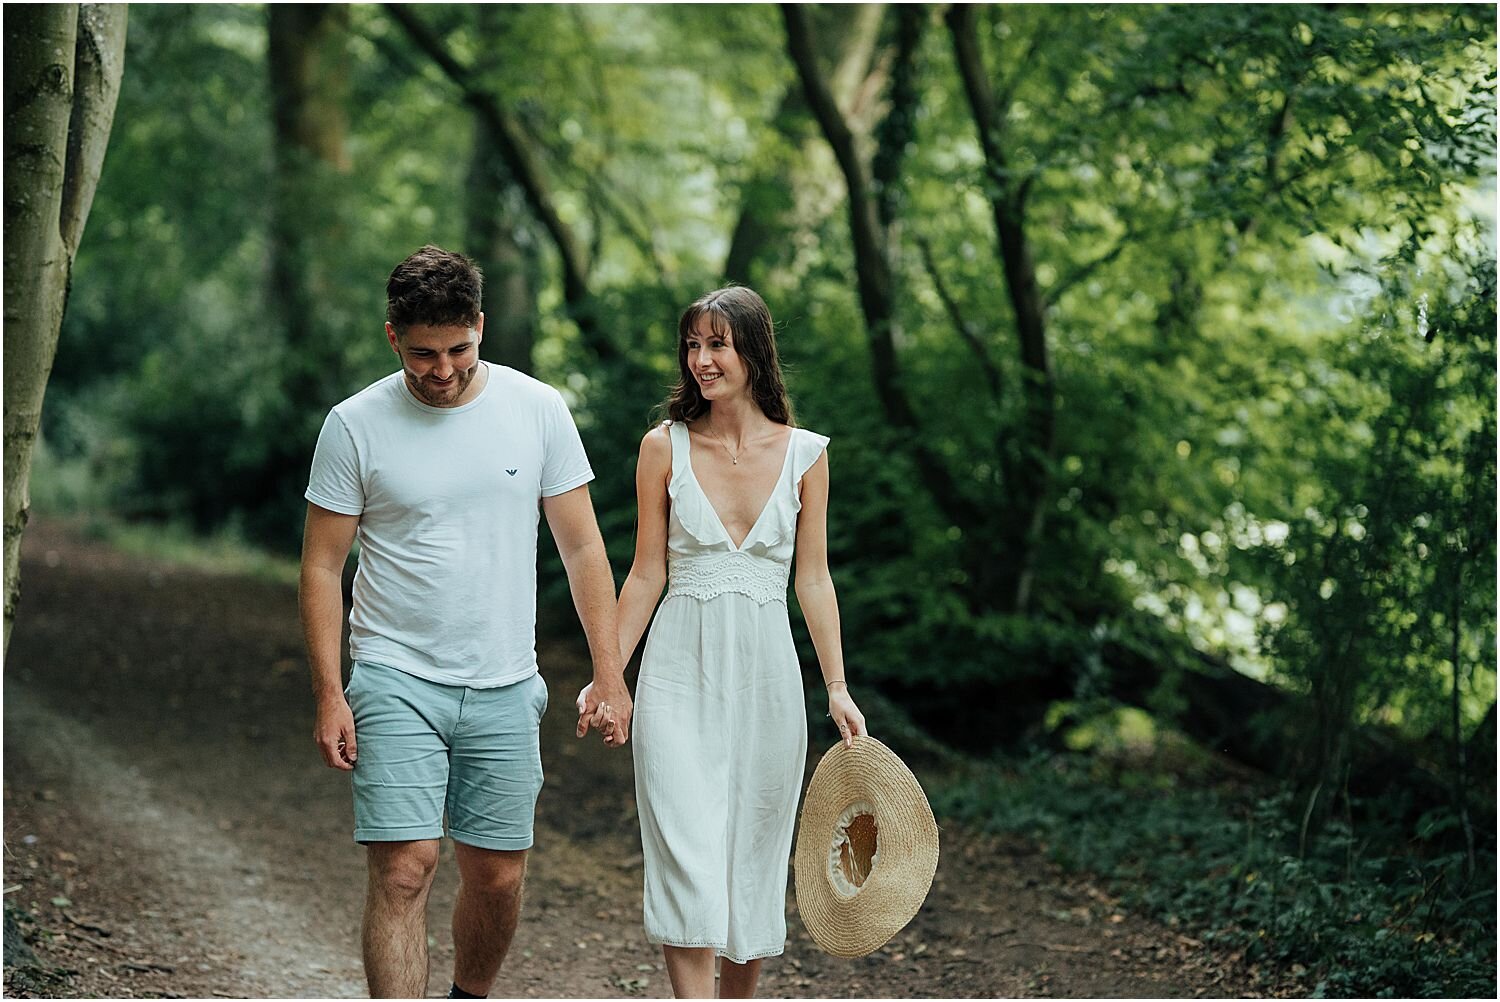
{"points": [[850, 921]]}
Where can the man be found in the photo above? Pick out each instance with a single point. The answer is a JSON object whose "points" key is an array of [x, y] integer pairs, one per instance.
{"points": [[438, 470]]}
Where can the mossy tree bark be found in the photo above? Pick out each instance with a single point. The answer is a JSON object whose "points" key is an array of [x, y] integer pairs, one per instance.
{"points": [[63, 64]]}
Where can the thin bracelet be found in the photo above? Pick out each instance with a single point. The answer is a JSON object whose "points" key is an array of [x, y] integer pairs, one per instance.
{"points": [[834, 682]]}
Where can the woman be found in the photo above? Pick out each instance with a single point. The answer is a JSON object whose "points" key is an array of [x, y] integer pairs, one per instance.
{"points": [[728, 490]]}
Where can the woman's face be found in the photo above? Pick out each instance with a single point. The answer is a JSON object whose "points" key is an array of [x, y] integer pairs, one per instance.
{"points": [[713, 362]]}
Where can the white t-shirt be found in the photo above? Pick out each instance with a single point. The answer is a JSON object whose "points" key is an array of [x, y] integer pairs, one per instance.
{"points": [[449, 503]]}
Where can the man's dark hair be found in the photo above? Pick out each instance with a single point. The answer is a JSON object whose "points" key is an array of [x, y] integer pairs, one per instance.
{"points": [[433, 287]]}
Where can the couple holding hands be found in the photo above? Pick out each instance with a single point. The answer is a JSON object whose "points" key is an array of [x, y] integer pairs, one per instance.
{"points": [[441, 471]]}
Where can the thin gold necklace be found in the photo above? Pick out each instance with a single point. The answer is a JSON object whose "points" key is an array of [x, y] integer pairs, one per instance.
{"points": [[734, 457]]}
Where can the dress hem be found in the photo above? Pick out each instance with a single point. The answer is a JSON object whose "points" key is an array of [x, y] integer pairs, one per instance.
{"points": [[721, 951]]}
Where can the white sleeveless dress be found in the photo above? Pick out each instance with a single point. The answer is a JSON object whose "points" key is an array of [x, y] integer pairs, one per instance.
{"points": [[720, 732]]}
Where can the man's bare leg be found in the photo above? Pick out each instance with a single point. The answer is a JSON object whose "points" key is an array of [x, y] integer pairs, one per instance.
{"points": [[395, 928], [691, 970], [485, 915]]}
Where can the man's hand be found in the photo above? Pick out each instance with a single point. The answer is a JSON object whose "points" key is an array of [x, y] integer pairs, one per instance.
{"points": [[604, 704], [334, 734], [607, 710]]}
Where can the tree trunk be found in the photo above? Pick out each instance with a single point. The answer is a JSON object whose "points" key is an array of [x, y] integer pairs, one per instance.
{"points": [[63, 64], [493, 205], [872, 269], [1028, 465], [526, 172], [875, 280], [490, 238], [309, 67], [767, 199], [308, 63]]}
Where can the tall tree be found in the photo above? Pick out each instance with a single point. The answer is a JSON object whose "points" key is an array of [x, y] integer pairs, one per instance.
{"points": [[767, 201], [870, 183], [495, 228], [308, 60], [1060, 218], [309, 66], [1026, 462], [522, 161], [63, 64]]}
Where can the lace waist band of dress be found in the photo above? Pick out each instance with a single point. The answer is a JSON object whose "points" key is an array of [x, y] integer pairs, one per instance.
{"points": [[715, 574]]}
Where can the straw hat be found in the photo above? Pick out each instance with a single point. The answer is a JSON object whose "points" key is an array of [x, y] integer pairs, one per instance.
{"points": [[866, 849]]}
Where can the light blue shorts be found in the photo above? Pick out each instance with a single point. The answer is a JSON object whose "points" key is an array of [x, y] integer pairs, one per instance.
{"points": [[425, 747]]}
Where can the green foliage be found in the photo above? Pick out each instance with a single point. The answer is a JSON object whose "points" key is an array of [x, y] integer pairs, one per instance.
{"points": [[1264, 240], [1368, 914], [1232, 215], [172, 339], [1386, 566]]}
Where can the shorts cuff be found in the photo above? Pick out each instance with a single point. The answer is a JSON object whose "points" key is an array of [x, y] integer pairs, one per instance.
{"points": [[415, 834], [511, 843]]}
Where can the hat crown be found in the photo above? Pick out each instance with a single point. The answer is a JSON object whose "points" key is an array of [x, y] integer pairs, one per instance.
{"points": [[854, 849], [867, 849]]}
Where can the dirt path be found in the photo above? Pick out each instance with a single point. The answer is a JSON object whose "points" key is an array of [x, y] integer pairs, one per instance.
{"points": [[169, 831]]}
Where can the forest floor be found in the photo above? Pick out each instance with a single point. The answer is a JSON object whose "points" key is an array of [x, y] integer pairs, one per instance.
{"points": [[171, 832]]}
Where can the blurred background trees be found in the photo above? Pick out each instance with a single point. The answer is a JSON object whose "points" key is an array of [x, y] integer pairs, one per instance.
{"points": [[1156, 343]]}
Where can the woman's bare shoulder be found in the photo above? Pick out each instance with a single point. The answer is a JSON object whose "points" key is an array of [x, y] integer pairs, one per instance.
{"points": [[656, 444]]}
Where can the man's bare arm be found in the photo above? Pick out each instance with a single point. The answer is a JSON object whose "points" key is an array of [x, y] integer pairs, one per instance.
{"points": [[326, 539], [571, 518]]}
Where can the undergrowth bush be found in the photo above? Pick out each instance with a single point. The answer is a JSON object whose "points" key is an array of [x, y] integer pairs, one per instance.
{"points": [[1374, 912]]}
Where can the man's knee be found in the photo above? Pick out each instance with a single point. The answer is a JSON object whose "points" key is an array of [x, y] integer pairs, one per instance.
{"points": [[403, 870], [492, 873]]}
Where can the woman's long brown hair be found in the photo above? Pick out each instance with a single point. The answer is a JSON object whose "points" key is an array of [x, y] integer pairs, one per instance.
{"points": [[742, 314]]}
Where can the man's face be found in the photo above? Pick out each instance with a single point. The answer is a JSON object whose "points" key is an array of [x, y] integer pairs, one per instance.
{"points": [[439, 362]]}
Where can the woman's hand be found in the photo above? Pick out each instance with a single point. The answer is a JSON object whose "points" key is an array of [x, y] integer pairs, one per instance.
{"points": [[845, 714], [609, 715], [588, 720]]}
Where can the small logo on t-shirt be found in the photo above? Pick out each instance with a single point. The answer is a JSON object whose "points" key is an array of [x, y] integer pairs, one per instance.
{"points": [[511, 472]]}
